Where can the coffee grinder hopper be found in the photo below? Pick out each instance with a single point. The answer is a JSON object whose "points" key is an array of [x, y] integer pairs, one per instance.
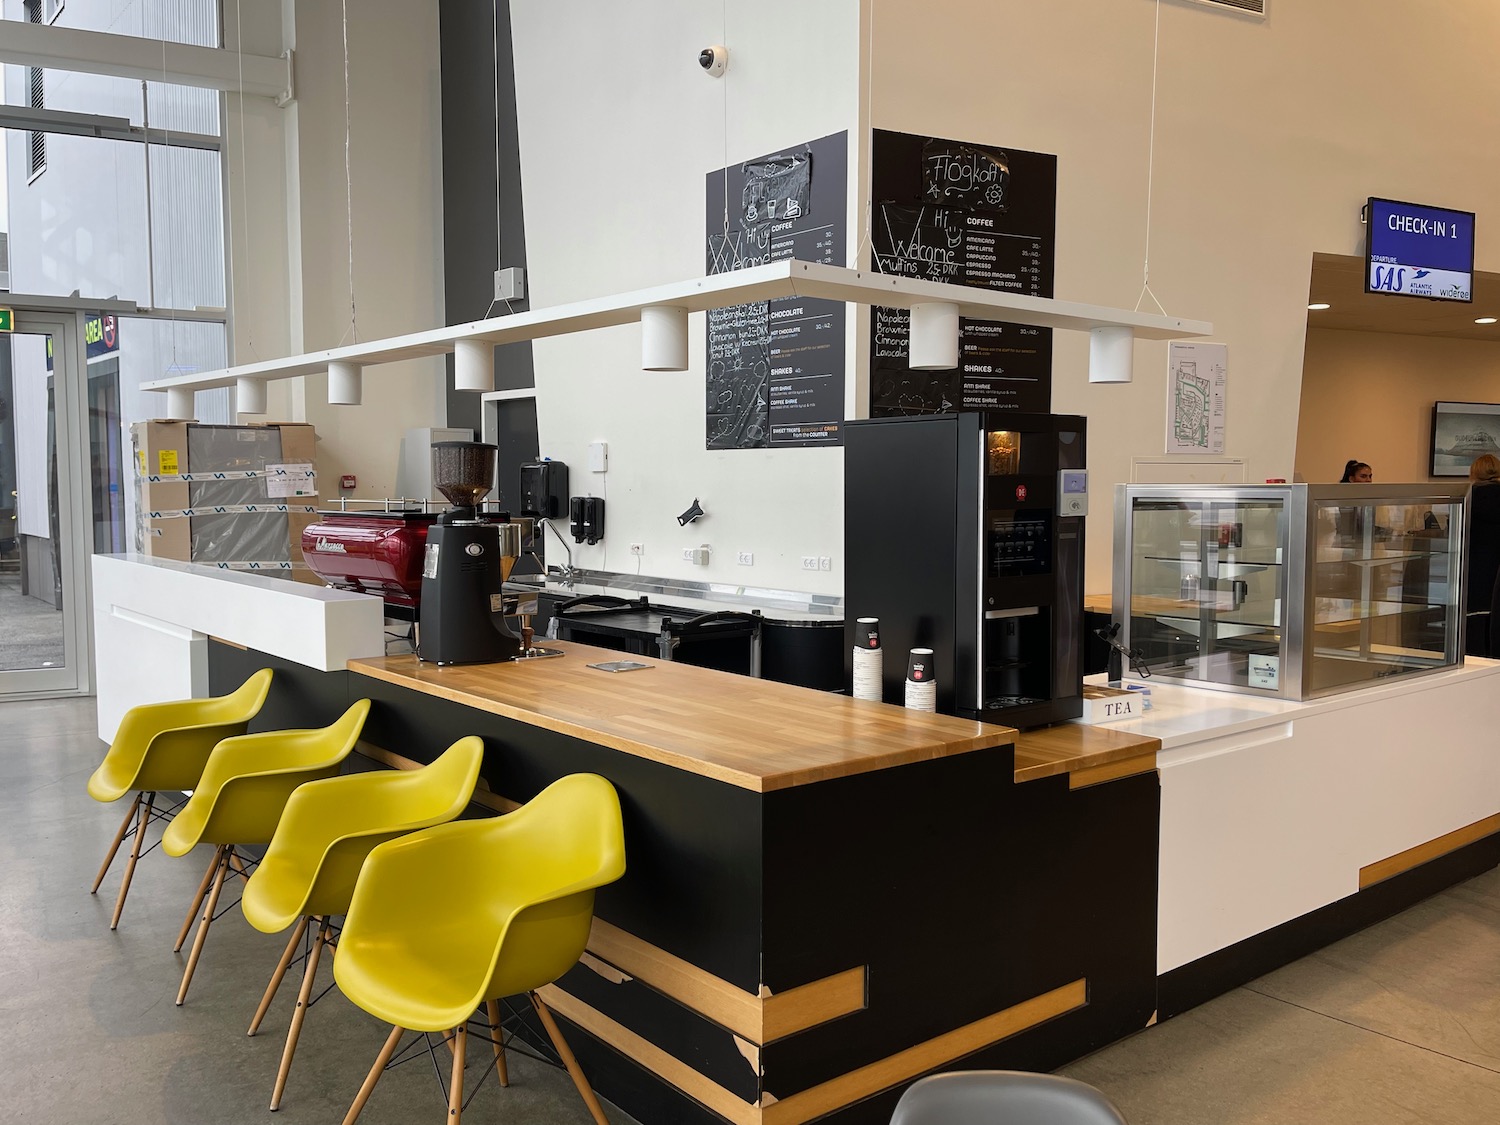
{"points": [[464, 472]]}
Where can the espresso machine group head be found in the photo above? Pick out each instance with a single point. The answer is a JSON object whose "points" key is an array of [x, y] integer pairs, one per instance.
{"points": [[466, 617]]}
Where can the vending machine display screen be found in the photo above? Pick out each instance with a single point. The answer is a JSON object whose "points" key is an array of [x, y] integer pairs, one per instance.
{"points": [[1020, 542]]}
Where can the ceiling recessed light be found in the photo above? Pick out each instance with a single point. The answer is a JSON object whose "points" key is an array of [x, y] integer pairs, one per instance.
{"points": [[1318, 306], [1484, 320]]}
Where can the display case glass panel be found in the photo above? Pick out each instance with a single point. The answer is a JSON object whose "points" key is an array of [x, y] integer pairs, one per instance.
{"points": [[1289, 590]]}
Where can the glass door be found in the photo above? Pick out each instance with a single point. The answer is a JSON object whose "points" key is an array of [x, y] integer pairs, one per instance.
{"points": [[43, 622]]}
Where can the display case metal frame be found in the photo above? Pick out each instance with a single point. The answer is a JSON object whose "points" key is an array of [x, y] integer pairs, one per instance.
{"points": [[1205, 608]]}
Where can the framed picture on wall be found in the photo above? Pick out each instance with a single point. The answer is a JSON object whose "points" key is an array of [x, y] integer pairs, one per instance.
{"points": [[1462, 431]]}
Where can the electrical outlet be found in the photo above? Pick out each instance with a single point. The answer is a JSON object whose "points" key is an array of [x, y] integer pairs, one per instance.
{"points": [[825, 562], [747, 558], [638, 548], [809, 562]]}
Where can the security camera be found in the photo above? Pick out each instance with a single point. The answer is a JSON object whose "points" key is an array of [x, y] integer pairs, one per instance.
{"points": [[714, 60]]}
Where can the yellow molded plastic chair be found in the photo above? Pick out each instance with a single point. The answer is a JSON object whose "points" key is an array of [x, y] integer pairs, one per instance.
{"points": [[308, 872], [239, 800], [162, 747], [453, 917]]}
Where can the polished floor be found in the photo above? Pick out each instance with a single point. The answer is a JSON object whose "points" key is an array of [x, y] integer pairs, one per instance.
{"points": [[31, 630], [1398, 1024]]}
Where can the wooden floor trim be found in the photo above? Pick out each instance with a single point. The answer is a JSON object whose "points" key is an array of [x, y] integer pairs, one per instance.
{"points": [[1424, 853], [1111, 771], [831, 1095], [906, 1065], [645, 1053]]}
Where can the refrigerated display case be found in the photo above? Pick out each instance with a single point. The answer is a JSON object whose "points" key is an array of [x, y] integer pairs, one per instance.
{"points": [[1293, 591]]}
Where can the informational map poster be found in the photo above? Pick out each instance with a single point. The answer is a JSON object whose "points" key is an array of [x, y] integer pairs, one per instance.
{"points": [[964, 214], [1197, 377], [775, 373]]}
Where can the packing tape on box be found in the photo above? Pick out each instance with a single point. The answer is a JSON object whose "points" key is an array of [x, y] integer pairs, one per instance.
{"points": [[228, 509], [245, 474]]}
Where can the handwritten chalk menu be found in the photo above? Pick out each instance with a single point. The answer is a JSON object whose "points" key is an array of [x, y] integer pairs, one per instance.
{"points": [[975, 215], [776, 368]]}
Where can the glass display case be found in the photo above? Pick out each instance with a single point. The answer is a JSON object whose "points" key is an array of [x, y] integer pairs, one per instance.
{"points": [[1294, 590]]}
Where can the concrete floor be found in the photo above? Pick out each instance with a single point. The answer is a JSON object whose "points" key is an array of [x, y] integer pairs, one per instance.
{"points": [[31, 631], [1398, 1024]]}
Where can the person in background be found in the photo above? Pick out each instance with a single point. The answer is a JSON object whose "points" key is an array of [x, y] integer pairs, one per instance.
{"points": [[1356, 472], [1350, 521], [1481, 636]]}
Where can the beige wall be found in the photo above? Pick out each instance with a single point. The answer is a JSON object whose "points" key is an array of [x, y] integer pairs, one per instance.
{"points": [[1369, 396]]}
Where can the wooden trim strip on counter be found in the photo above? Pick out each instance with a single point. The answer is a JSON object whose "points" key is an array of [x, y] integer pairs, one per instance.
{"points": [[1111, 771], [758, 1019], [1383, 869], [829, 1096]]}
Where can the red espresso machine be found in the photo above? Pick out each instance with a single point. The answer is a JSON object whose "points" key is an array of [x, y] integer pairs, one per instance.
{"points": [[372, 552]]}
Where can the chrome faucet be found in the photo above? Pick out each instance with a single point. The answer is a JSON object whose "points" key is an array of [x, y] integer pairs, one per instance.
{"points": [[566, 571]]}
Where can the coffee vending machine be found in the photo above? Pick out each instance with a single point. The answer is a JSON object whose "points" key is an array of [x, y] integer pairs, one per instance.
{"points": [[963, 533]]}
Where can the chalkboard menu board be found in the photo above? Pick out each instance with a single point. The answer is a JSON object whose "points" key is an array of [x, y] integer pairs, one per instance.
{"points": [[776, 368], [964, 214]]}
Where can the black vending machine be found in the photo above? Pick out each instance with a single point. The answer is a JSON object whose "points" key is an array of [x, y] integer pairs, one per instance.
{"points": [[963, 533]]}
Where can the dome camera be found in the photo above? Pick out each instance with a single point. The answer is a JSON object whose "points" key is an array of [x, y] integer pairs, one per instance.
{"points": [[714, 61]]}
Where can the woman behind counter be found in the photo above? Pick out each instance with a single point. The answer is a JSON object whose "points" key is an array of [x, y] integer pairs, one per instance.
{"points": [[1483, 556]]}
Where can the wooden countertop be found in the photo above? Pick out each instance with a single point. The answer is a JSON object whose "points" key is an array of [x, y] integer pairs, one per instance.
{"points": [[757, 734], [1088, 753]]}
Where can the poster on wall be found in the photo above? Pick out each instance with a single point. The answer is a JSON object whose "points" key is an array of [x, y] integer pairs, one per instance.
{"points": [[775, 370], [965, 214], [1461, 432], [1197, 378]]}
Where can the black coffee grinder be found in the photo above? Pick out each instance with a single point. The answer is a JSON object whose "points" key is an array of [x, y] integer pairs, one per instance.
{"points": [[465, 616]]}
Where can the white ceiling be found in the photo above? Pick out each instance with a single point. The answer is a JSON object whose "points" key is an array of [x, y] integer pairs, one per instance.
{"points": [[1340, 281]]}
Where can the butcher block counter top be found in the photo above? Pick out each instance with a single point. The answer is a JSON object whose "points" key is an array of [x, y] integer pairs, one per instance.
{"points": [[756, 734]]}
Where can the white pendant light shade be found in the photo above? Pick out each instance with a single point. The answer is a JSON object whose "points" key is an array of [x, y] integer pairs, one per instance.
{"points": [[934, 337], [1111, 355], [664, 338], [345, 384], [250, 396], [180, 402], [474, 365]]}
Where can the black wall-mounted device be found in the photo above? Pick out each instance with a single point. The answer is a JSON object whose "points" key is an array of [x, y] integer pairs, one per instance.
{"points": [[586, 518], [544, 489]]}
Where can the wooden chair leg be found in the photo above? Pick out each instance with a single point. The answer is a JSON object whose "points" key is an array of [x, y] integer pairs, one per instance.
{"points": [[142, 819], [239, 864], [492, 1007], [456, 1084], [276, 977], [109, 856], [304, 998], [566, 1054], [208, 876], [373, 1077], [207, 920]]}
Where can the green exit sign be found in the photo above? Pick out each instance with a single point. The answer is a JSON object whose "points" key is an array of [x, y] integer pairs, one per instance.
{"points": [[7, 320]]}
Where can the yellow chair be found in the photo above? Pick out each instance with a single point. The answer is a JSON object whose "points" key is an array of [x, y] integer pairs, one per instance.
{"points": [[453, 917], [308, 872], [239, 801], [162, 747]]}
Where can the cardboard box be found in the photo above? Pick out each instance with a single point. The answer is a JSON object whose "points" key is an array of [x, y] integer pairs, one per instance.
{"points": [[246, 528]]}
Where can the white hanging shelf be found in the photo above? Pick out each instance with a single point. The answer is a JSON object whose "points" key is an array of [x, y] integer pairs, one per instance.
{"points": [[790, 278]]}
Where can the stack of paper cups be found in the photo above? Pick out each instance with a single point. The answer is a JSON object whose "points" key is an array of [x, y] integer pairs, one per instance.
{"points": [[921, 682], [869, 660]]}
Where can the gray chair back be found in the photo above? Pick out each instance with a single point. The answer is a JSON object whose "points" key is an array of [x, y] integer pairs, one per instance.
{"points": [[1003, 1097]]}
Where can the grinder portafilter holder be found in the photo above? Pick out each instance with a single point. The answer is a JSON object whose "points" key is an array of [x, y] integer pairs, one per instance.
{"points": [[464, 471]]}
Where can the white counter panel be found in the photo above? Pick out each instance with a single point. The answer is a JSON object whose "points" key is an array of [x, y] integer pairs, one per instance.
{"points": [[1270, 808], [153, 618]]}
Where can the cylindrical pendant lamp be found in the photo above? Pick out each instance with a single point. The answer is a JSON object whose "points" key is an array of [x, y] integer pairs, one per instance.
{"points": [[474, 365], [250, 396], [180, 403], [345, 384], [664, 338], [1111, 354], [934, 337]]}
